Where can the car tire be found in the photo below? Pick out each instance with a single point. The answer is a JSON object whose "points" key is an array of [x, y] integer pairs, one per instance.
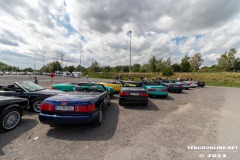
{"points": [[145, 104], [10, 119], [98, 120], [120, 103], [36, 106]]}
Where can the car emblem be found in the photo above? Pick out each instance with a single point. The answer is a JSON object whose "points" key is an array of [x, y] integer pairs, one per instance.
{"points": [[64, 103]]}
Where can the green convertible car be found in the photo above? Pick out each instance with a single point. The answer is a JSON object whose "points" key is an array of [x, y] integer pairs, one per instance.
{"points": [[155, 89], [70, 87]]}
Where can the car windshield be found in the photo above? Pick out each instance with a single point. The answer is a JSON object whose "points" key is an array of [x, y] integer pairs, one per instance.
{"points": [[30, 86]]}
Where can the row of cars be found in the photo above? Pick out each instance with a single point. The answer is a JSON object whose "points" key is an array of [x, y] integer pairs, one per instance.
{"points": [[18, 73], [56, 107], [74, 103]]}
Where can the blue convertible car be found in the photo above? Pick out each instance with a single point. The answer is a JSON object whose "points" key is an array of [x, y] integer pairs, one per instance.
{"points": [[84, 106]]}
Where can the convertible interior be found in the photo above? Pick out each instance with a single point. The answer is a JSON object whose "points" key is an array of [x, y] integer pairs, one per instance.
{"points": [[91, 89]]}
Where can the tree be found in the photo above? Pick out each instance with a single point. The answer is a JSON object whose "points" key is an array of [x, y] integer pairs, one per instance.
{"points": [[237, 64], [167, 71], [136, 67], [167, 63], [125, 68], [196, 61], [227, 60], [117, 68], [95, 67], [106, 69], [185, 65], [176, 67], [152, 64], [144, 68]]}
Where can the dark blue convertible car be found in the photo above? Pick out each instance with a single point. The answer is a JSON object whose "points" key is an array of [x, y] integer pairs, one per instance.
{"points": [[83, 106]]}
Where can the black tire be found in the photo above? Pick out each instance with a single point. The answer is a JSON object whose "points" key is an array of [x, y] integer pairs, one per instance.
{"points": [[98, 120], [165, 96], [10, 119], [120, 103], [36, 105], [145, 104]]}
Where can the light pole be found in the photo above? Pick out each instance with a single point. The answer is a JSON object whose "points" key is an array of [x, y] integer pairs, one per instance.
{"points": [[80, 58], [130, 34], [57, 62]]}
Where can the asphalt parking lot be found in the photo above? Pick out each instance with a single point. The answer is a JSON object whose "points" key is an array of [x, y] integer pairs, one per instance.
{"points": [[164, 129]]}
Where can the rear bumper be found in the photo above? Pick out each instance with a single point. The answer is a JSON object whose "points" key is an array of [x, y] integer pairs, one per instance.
{"points": [[193, 85], [174, 89], [135, 100], [66, 120], [201, 84], [164, 94]]}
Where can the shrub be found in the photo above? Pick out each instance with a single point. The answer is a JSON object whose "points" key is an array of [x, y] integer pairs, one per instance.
{"points": [[167, 71]]}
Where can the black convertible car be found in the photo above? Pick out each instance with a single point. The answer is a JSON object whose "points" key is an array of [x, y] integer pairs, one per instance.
{"points": [[84, 106], [135, 95], [11, 109], [27, 89]]}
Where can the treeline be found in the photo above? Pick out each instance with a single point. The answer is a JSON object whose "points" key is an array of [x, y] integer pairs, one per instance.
{"points": [[226, 62]]}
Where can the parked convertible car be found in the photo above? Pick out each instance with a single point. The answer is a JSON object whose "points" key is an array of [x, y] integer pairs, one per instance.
{"points": [[155, 89], [129, 95], [193, 84], [172, 86], [115, 85], [11, 109], [27, 89], [84, 106], [201, 84], [70, 87]]}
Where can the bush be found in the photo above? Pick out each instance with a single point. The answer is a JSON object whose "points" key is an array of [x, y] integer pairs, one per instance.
{"points": [[167, 71]]}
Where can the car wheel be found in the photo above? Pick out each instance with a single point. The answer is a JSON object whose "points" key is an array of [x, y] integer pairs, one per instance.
{"points": [[36, 105], [98, 119], [10, 119], [145, 104], [120, 103]]}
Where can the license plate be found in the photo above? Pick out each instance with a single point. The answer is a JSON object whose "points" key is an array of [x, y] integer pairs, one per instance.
{"points": [[64, 108], [134, 94], [175, 86], [158, 90]]}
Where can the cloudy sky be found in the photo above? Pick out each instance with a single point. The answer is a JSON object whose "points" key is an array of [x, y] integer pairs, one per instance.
{"points": [[39, 30]]}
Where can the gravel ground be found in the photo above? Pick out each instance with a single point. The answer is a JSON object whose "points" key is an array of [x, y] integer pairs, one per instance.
{"points": [[162, 130]]}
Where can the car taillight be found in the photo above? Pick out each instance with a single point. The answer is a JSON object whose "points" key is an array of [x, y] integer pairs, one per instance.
{"points": [[170, 86], [91, 108], [53, 87], [180, 85], [144, 94], [151, 90], [165, 90], [124, 93], [85, 108], [46, 107]]}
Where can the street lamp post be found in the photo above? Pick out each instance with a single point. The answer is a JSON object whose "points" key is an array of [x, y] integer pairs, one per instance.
{"points": [[80, 58], [130, 34], [57, 62]]}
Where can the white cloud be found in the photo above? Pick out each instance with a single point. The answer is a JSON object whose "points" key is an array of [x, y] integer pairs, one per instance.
{"points": [[31, 29]]}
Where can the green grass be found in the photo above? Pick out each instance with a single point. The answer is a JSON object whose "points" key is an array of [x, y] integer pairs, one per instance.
{"points": [[226, 79]]}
